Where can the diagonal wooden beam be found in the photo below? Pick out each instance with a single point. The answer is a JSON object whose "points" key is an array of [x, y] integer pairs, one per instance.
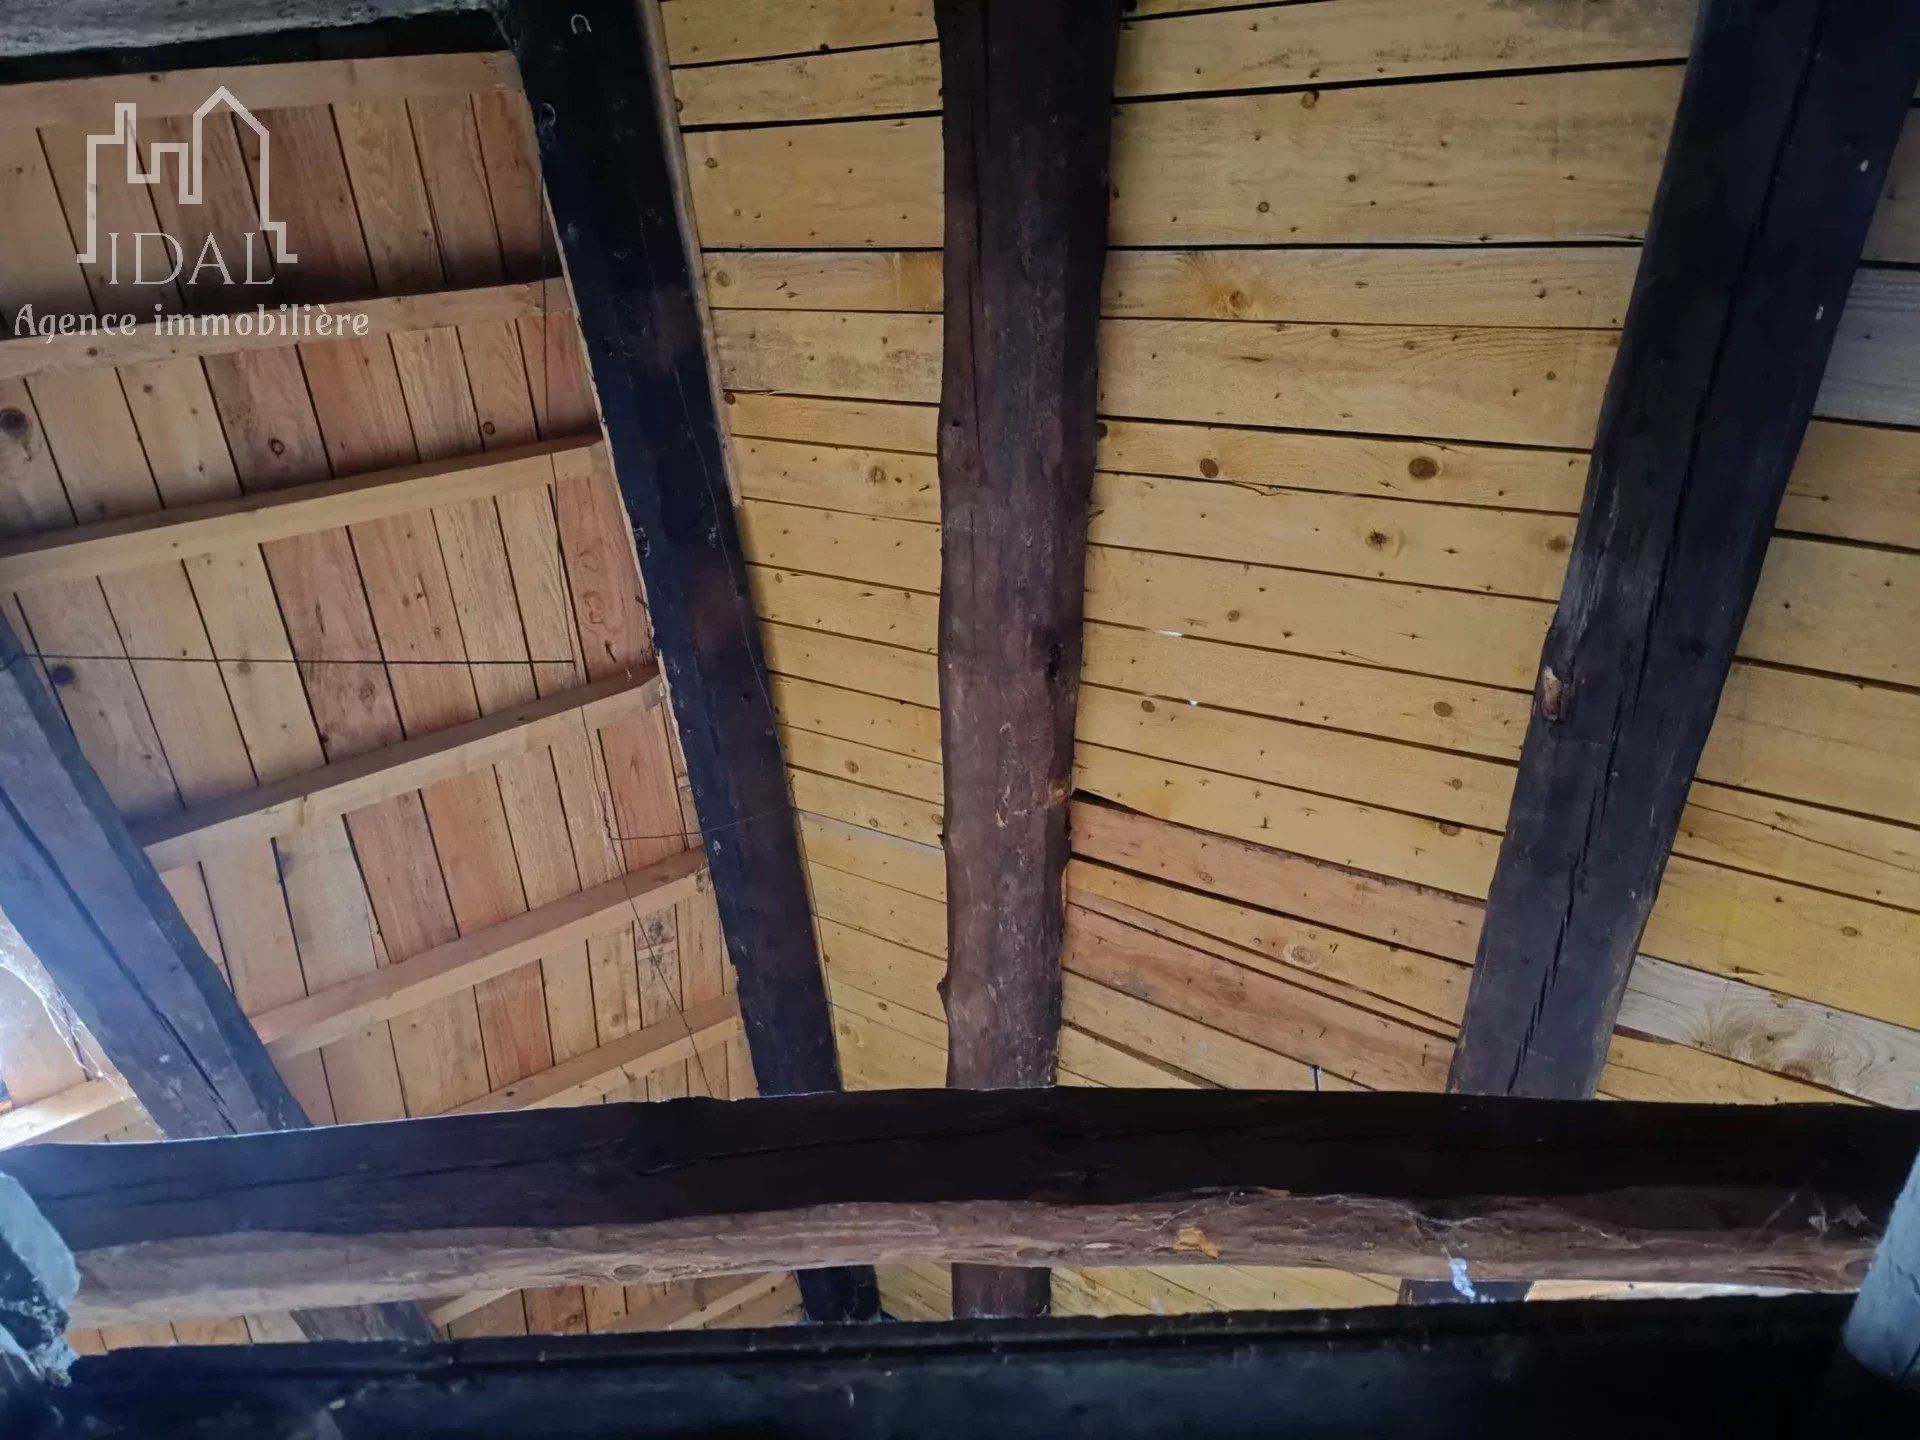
{"points": [[133, 542], [623, 1194], [281, 806], [75, 884], [1027, 100], [612, 183], [220, 334], [1787, 119], [97, 1107]]}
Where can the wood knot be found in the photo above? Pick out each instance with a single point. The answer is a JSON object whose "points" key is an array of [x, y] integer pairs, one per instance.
{"points": [[1553, 695], [1423, 467], [1209, 466], [14, 423]]}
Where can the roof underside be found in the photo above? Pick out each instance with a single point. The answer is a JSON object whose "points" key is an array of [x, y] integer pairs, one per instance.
{"points": [[1354, 348]]}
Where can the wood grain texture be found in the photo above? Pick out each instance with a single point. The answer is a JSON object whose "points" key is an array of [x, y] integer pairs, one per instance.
{"points": [[1389, 1183], [1027, 111], [1696, 441], [643, 335], [407, 765], [220, 334], [88, 101], [95, 911], [194, 531], [1269, 47], [340, 1011]]}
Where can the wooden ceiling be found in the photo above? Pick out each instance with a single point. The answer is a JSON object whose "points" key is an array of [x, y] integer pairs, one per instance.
{"points": [[1352, 352]]}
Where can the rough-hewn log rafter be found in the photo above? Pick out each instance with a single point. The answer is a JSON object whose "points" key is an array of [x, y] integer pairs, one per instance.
{"points": [[1027, 97], [91, 907], [1786, 123], [1404, 1183], [614, 190]]}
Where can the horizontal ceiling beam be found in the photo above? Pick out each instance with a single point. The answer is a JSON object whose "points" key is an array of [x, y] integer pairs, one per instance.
{"points": [[1405, 1184]]}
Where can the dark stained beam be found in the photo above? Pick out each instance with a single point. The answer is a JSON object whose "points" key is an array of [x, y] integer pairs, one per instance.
{"points": [[1573, 1371], [627, 1194], [1787, 117], [88, 903], [612, 184], [1027, 96]]}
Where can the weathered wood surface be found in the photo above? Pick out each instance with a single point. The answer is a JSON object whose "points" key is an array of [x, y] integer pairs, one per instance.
{"points": [[1027, 93], [1786, 123], [626, 1194], [334, 1013], [613, 189], [93, 910]]}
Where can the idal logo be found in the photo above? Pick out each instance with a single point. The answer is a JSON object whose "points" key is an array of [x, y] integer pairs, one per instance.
{"points": [[154, 257]]}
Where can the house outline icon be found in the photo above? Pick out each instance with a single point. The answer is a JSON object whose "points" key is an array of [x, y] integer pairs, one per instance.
{"points": [[126, 118]]}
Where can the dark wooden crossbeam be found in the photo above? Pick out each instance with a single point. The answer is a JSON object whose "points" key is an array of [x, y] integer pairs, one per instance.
{"points": [[1027, 95], [1401, 1184], [1665, 1370], [1787, 117], [88, 903], [609, 162]]}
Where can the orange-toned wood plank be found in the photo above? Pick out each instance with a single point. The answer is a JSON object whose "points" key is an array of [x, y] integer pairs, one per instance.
{"points": [[88, 101], [127, 442], [519, 734], [144, 342]]}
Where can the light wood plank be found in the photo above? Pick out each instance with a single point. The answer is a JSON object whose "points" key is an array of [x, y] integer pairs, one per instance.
{"points": [[136, 541], [424, 760], [1445, 161], [598, 1072], [291, 323], [1539, 287], [1858, 482], [89, 101], [1269, 46], [338, 1012], [701, 31]]}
